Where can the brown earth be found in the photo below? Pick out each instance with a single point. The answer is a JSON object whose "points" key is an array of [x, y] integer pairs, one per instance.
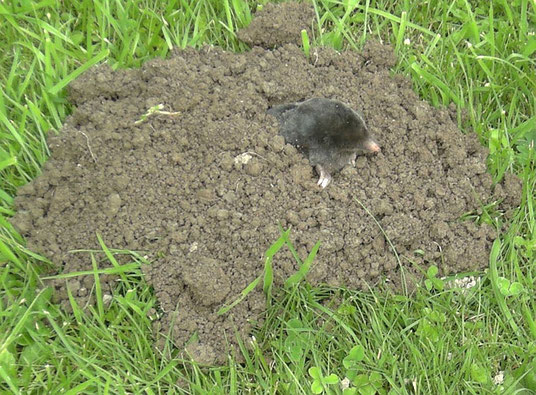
{"points": [[202, 185], [279, 24]]}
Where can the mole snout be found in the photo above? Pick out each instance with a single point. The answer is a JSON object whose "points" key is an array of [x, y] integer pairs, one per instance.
{"points": [[328, 132], [372, 146]]}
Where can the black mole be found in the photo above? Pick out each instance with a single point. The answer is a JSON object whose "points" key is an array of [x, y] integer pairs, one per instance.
{"points": [[327, 131]]}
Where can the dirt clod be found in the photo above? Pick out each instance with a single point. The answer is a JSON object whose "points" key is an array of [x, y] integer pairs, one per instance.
{"points": [[202, 193], [278, 24]]}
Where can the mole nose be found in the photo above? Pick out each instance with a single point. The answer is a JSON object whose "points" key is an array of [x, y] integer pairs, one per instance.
{"points": [[372, 146]]}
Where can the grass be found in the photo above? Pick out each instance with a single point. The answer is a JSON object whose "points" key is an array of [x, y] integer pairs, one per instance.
{"points": [[478, 55]]}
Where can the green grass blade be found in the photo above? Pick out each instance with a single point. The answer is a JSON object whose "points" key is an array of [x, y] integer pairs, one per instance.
{"points": [[98, 289], [80, 388], [305, 43], [73, 75], [242, 296], [21, 323], [110, 270], [401, 30], [10, 256], [268, 279], [494, 277], [7, 162], [110, 257], [304, 268]]}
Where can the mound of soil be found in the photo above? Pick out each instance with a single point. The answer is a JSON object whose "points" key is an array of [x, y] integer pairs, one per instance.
{"points": [[202, 184], [278, 24]]}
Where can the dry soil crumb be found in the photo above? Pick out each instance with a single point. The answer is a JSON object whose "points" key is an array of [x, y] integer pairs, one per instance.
{"points": [[278, 24], [203, 187]]}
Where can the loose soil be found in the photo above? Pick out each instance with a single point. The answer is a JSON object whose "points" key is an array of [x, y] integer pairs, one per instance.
{"points": [[202, 187]]}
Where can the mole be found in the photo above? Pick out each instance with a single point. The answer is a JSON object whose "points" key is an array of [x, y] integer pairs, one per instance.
{"points": [[327, 131]]}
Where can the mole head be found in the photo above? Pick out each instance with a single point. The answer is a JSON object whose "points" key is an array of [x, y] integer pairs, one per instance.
{"points": [[361, 135]]}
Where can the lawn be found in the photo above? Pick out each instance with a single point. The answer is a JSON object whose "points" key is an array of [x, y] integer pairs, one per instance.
{"points": [[479, 55]]}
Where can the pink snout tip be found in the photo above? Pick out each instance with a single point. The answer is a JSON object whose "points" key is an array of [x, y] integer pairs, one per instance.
{"points": [[372, 146]]}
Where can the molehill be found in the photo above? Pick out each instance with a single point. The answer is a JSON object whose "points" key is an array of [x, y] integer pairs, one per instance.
{"points": [[202, 185]]}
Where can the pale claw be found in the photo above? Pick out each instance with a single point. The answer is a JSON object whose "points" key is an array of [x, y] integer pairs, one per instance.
{"points": [[324, 182], [352, 160], [325, 177]]}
